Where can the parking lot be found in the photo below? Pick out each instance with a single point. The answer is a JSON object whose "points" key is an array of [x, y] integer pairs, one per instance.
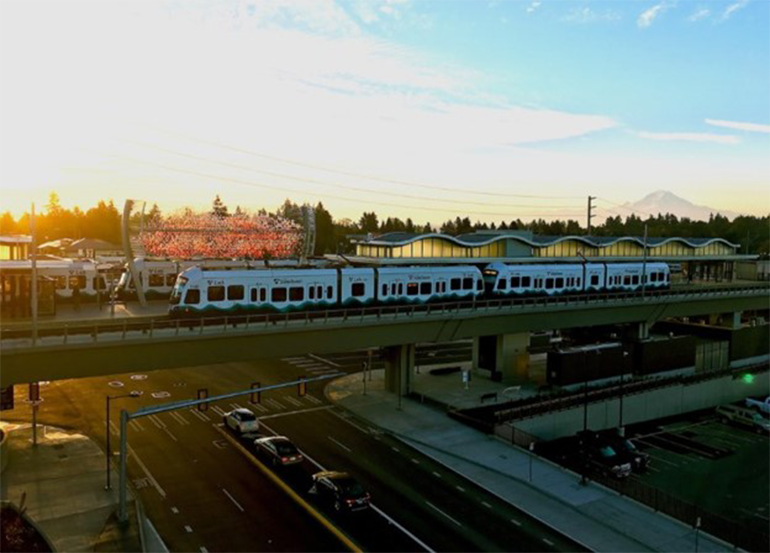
{"points": [[719, 467]]}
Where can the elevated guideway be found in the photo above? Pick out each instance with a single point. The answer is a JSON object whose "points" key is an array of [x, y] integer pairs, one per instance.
{"points": [[112, 347]]}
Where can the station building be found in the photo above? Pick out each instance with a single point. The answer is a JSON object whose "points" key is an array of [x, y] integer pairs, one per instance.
{"points": [[708, 259]]}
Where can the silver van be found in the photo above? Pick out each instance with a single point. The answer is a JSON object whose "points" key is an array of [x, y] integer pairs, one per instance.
{"points": [[744, 417]]}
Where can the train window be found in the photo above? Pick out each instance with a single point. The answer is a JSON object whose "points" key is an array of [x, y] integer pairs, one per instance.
{"points": [[455, 284], [235, 292], [329, 292], [627, 280], [425, 288], [577, 282], [526, 281], [60, 282], [156, 280], [515, 282], [358, 289], [559, 282], [411, 289], [254, 295], [296, 293], [170, 279], [654, 277], [311, 293], [594, 280], [635, 279], [479, 285], [319, 292], [501, 284], [216, 293], [467, 283], [278, 294], [384, 289], [549, 284], [192, 296], [262, 294], [79, 281]]}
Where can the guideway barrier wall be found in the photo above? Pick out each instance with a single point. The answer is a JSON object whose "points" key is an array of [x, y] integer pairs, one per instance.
{"points": [[110, 329]]}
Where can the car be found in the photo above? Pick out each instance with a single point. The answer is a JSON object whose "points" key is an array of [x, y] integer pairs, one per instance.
{"points": [[340, 490], [742, 416], [639, 459], [279, 450], [602, 456], [759, 405], [241, 420]]}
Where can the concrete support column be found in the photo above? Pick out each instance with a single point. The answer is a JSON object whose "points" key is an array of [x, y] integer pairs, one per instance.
{"points": [[399, 368], [505, 355], [642, 331]]}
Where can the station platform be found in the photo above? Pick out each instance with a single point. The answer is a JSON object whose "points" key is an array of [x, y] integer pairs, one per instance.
{"points": [[90, 312]]}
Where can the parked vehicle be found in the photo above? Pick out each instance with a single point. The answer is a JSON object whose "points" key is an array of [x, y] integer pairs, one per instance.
{"points": [[639, 459], [603, 457], [241, 420], [279, 450], [759, 405], [340, 490], [743, 416]]}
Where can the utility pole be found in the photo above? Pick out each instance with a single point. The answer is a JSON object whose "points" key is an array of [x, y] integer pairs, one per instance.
{"points": [[590, 215], [33, 284]]}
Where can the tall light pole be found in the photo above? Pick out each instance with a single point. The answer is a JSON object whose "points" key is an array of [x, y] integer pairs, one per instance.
{"points": [[644, 262], [107, 427], [621, 430]]}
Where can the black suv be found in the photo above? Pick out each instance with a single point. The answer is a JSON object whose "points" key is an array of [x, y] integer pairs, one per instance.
{"points": [[639, 459], [603, 456], [340, 490]]}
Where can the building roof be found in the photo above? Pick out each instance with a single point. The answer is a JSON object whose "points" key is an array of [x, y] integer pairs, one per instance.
{"points": [[16, 239], [92, 244], [487, 237]]}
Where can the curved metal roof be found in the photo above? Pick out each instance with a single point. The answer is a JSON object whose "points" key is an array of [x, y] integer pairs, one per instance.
{"points": [[537, 241]]}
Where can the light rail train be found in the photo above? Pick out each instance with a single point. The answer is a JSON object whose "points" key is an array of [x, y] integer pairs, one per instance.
{"points": [[201, 291]]}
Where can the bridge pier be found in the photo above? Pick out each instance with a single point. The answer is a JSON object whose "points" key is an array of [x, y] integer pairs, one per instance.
{"points": [[505, 355], [399, 368], [729, 320]]}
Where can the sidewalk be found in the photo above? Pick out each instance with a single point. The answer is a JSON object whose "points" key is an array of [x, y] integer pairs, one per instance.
{"points": [[63, 479], [592, 515]]}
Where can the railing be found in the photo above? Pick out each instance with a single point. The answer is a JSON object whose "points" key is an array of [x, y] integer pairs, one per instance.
{"points": [[112, 329]]}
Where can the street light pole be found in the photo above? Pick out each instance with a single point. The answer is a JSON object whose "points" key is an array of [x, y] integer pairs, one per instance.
{"points": [[644, 262], [109, 452]]}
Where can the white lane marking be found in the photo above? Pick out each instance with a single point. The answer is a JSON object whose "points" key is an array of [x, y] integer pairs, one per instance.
{"points": [[259, 407], [549, 542], [460, 488], [133, 423], [313, 399], [289, 359], [376, 509], [415, 461], [293, 401], [167, 431], [516, 522], [343, 446], [218, 410], [188, 528], [204, 550], [487, 505], [235, 406], [275, 403], [114, 428], [432, 506], [347, 419], [175, 510], [178, 418], [233, 500], [394, 448], [201, 415], [322, 360], [147, 472], [297, 412], [437, 475]]}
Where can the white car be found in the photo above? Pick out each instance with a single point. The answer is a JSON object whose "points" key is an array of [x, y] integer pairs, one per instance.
{"points": [[279, 450], [241, 420], [759, 405]]}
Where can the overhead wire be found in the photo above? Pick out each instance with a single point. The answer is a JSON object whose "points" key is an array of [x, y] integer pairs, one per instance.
{"points": [[369, 177], [330, 196]]}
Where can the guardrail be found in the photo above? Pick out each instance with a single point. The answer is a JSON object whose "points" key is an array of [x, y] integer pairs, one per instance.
{"points": [[110, 329]]}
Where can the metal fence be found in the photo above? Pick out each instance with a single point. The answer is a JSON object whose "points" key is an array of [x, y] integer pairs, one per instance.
{"points": [[149, 326]]}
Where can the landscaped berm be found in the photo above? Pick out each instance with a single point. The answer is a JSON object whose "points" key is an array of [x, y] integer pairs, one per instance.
{"points": [[17, 534]]}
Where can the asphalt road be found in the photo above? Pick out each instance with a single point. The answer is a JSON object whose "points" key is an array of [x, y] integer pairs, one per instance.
{"points": [[203, 493]]}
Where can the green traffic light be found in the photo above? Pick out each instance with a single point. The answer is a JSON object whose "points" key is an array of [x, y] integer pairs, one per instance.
{"points": [[748, 378]]}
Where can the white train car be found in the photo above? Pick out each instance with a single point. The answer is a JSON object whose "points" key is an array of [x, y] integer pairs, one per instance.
{"points": [[629, 276], [522, 280], [67, 275], [423, 284]]}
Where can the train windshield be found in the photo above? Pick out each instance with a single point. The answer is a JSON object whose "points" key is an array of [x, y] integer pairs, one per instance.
{"points": [[176, 293]]}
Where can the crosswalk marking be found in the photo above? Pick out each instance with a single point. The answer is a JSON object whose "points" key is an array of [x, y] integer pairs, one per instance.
{"points": [[275, 403], [179, 418], [156, 421], [218, 410], [313, 399], [133, 423], [292, 401], [259, 407], [201, 415]]}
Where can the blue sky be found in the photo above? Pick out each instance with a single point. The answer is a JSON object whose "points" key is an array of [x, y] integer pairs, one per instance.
{"points": [[498, 109]]}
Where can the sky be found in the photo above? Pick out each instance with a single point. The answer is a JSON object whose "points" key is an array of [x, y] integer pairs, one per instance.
{"points": [[425, 109]]}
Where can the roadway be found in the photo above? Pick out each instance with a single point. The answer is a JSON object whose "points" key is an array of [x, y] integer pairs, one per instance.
{"points": [[204, 493]]}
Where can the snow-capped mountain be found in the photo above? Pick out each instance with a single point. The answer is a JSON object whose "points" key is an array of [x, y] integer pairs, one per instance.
{"points": [[663, 201]]}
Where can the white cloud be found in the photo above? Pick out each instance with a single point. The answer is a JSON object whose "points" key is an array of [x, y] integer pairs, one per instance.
{"points": [[534, 6], [732, 8], [587, 15], [700, 13], [740, 125], [647, 17], [689, 137]]}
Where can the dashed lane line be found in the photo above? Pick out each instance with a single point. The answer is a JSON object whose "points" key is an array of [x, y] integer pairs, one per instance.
{"points": [[233, 500], [175, 510], [346, 418], [139, 462], [460, 488], [415, 461], [188, 528], [549, 542], [487, 505], [436, 474], [516, 522], [322, 360], [204, 550], [297, 412], [343, 446], [432, 506]]}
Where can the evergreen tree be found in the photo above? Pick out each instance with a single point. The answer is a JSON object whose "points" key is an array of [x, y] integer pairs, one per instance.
{"points": [[219, 209]]}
